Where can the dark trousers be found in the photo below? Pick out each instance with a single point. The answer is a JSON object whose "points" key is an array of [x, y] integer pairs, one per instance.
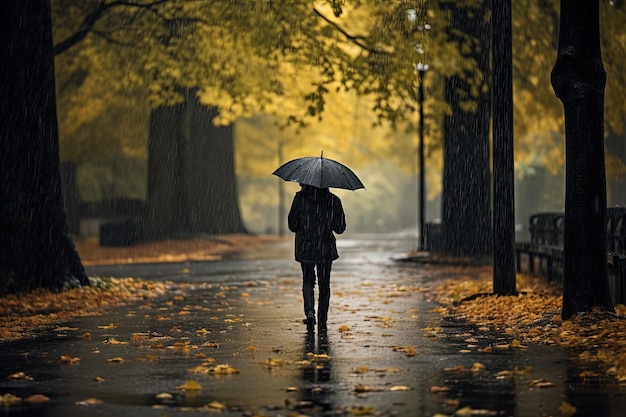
{"points": [[308, 288]]}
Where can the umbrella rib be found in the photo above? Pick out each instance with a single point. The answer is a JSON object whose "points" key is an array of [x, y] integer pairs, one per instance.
{"points": [[322, 170]]}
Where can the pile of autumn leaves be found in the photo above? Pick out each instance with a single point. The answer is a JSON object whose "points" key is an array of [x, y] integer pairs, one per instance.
{"points": [[22, 314], [533, 317]]}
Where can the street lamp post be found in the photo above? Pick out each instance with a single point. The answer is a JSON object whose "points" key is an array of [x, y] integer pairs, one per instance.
{"points": [[413, 16], [421, 70]]}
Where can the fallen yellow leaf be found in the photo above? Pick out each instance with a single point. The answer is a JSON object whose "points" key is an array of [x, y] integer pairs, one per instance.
{"points": [[114, 341], [588, 374], [224, 370], [216, 405], [540, 383], [476, 367], [68, 359], [362, 411], [190, 385], [21, 375], [365, 388], [464, 412], [271, 363], [517, 344], [408, 350], [389, 370], [199, 370], [318, 356], [8, 399], [89, 401], [566, 409], [525, 370], [65, 329]]}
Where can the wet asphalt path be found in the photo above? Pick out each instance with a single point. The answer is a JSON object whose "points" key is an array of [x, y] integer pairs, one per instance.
{"points": [[245, 312]]}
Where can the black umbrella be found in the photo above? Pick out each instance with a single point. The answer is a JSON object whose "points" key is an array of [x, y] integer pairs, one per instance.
{"points": [[319, 172]]}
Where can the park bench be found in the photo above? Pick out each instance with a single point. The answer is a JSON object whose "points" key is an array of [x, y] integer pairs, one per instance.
{"points": [[546, 248], [117, 220], [616, 247], [432, 236]]}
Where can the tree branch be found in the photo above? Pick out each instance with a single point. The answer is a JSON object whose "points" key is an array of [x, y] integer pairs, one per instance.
{"points": [[357, 40], [92, 18]]}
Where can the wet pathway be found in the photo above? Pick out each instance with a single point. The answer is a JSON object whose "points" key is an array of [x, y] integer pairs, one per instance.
{"points": [[235, 340]]}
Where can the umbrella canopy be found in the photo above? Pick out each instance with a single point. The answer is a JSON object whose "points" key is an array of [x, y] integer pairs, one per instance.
{"points": [[319, 172]]}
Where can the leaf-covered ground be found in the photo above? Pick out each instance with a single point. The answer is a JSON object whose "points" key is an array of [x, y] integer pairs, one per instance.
{"points": [[92, 253], [598, 338], [21, 314]]}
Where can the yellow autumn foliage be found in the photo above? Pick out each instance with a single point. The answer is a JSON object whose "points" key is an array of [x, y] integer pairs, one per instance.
{"points": [[261, 67]]}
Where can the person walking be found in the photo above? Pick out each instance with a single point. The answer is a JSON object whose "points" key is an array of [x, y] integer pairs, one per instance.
{"points": [[314, 215]]}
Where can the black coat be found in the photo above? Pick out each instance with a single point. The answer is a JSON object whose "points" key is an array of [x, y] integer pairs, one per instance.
{"points": [[315, 214]]}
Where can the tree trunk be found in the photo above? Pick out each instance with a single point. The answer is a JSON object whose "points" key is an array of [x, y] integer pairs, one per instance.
{"points": [[165, 214], [579, 80], [36, 248], [466, 197], [210, 174], [192, 186], [503, 167]]}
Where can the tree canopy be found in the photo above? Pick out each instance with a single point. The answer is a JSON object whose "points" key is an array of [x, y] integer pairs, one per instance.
{"points": [[294, 60]]}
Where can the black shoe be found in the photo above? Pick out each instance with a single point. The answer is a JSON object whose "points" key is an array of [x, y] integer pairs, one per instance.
{"points": [[310, 323]]}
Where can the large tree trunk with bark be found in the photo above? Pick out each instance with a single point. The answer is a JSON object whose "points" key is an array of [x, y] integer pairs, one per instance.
{"points": [[503, 161], [192, 186], [165, 215], [466, 197], [36, 248], [210, 175], [579, 80]]}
